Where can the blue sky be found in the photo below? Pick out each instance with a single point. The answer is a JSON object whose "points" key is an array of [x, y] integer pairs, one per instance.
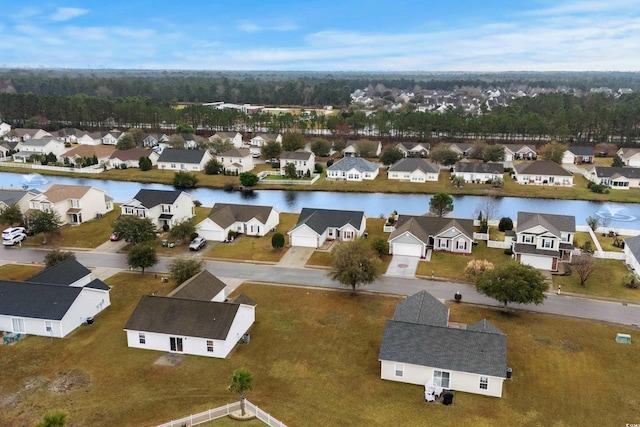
{"points": [[397, 35]]}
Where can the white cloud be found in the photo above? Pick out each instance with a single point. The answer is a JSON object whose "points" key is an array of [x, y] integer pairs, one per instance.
{"points": [[67, 13], [250, 27]]}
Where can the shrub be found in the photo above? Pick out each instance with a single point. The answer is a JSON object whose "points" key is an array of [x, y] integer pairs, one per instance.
{"points": [[277, 241], [318, 168], [232, 235], [505, 224], [476, 267], [228, 186], [329, 162], [380, 246], [508, 251]]}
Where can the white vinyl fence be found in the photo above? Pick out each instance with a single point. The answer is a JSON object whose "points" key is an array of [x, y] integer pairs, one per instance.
{"points": [[223, 411], [88, 169]]}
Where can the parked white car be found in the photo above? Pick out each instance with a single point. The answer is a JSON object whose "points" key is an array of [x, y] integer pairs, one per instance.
{"points": [[13, 235]]}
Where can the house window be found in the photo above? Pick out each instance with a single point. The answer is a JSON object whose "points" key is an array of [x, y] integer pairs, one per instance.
{"points": [[210, 346], [484, 383], [166, 208], [18, 325], [527, 239], [461, 244], [47, 325], [142, 338], [547, 243], [173, 165], [75, 203], [141, 213], [441, 379], [566, 238], [399, 371], [128, 211]]}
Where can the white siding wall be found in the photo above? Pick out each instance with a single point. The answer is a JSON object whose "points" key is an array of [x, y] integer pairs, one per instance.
{"points": [[631, 260], [458, 381]]}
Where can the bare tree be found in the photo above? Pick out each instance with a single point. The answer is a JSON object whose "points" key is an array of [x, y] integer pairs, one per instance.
{"points": [[584, 265]]}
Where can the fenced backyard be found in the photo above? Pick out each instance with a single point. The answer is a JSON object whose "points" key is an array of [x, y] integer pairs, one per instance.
{"points": [[223, 411]]}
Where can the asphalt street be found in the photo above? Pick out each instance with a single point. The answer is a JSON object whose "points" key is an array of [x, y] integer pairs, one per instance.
{"points": [[599, 310]]}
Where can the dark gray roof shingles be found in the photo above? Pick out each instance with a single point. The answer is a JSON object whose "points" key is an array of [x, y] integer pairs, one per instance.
{"points": [[171, 155], [320, 219], [151, 198], [63, 274]]}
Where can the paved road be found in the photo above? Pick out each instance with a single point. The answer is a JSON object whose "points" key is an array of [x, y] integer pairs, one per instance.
{"points": [[614, 312]]}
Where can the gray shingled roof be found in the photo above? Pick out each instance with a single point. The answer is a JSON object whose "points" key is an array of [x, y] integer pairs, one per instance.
{"points": [[36, 300], [541, 167], [633, 243], [131, 154], [320, 219], [424, 226], [445, 348], [184, 317], [484, 326], [64, 273], [422, 308], [204, 286], [225, 214], [479, 167], [171, 155], [347, 163], [410, 164], [613, 172], [296, 155], [552, 222], [11, 197], [579, 150], [236, 152], [150, 198]]}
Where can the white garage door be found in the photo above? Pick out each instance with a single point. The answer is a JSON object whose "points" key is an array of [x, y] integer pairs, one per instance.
{"points": [[540, 262], [304, 241], [406, 249], [213, 235]]}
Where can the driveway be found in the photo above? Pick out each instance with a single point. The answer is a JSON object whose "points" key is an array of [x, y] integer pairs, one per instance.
{"points": [[403, 266], [296, 257]]}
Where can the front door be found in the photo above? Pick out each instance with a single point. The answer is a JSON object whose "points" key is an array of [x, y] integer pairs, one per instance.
{"points": [[176, 344]]}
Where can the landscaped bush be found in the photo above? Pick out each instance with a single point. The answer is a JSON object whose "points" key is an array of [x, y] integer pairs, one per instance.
{"points": [[318, 168], [505, 224], [228, 186], [508, 252], [232, 235], [329, 162]]}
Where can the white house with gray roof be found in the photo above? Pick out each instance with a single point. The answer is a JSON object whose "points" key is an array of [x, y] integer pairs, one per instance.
{"points": [[630, 156], [52, 303], [304, 161], [194, 319], [38, 146], [478, 172], [544, 240], [234, 138], [165, 208], [615, 177], [316, 226], [519, 152], [413, 169], [183, 160], [246, 219], [353, 169], [632, 253], [578, 154], [419, 347], [542, 173], [415, 235], [236, 159]]}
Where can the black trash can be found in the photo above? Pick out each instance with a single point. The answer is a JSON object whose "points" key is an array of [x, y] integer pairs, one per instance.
{"points": [[89, 320], [447, 399], [509, 373]]}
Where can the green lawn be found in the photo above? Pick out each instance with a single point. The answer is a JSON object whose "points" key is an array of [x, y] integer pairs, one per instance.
{"points": [[452, 266], [607, 281], [255, 248], [89, 234], [18, 272], [315, 363]]}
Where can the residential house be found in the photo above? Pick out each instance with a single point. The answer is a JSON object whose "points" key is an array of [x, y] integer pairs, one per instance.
{"points": [[630, 156], [542, 173], [413, 169], [353, 169], [304, 162], [462, 149], [414, 149], [38, 146], [479, 172], [189, 321], [632, 253], [192, 141], [93, 138], [236, 160], [165, 208], [111, 137], [183, 160], [415, 235], [74, 203], [615, 177], [260, 139], [353, 150], [77, 154], [234, 138], [69, 135], [5, 128], [131, 158], [152, 139], [578, 155], [13, 196], [544, 240], [54, 302], [23, 134], [245, 219], [6, 147], [420, 346], [519, 152], [316, 226]]}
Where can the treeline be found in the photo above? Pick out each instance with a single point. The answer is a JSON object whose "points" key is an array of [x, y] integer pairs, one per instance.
{"points": [[282, 88], [586, 120]]}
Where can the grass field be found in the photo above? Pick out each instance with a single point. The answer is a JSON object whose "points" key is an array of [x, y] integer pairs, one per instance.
{"points": [[313, 354], [607, 281]]}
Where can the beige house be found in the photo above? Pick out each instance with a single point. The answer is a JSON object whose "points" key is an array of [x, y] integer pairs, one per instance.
{"points": [[236, 159], [74, 203]]}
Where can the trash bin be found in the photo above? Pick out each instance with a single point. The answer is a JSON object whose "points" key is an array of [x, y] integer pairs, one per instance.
{"points": [[165, 243], [246, 338], [89, 320], [509, 373]]}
